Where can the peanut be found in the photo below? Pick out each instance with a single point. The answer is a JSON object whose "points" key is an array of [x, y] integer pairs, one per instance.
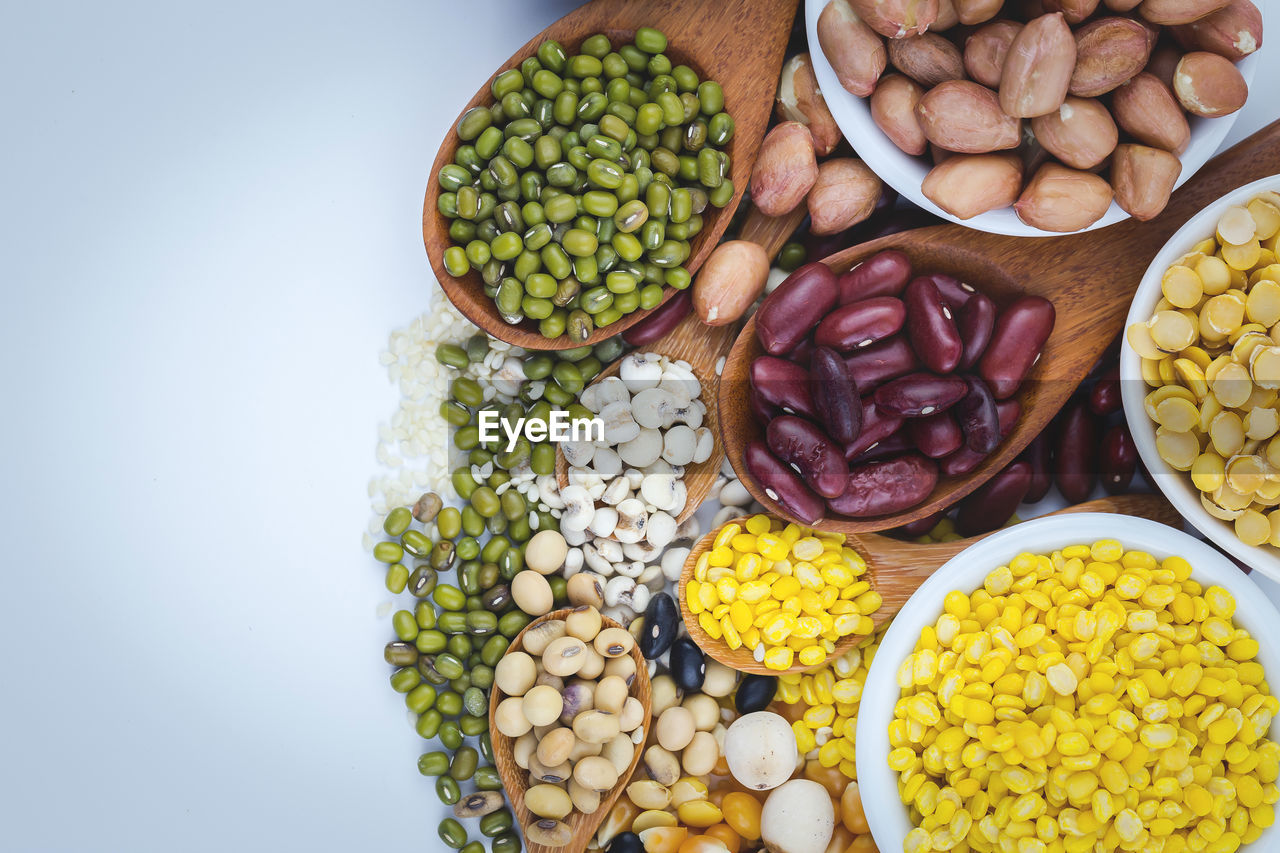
{"points": [[731, 279], [1120, 5], [799, 99], [965, 185], [785, 169], [1081, 133], [928, 59], [962, 116], [1209, 85], [1074, 11], [855, 51], [845, 193], [1109, 51], [897, 18], [1163, 60], [948, 17], [985, 50], [1062, 199], [976, 11], [1037, 69], [1234, 31], [1146, 110], [893, 109], [1143, 179], [1170, 12]]}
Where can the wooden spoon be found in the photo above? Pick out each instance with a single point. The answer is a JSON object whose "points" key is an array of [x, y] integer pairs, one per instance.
{"points": [[515, 781], [740, 45], [1090, 278], [895, 568]]}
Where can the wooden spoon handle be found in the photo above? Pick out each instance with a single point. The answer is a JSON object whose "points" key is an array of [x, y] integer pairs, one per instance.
{"points": [[898, 568], [771, 232]]}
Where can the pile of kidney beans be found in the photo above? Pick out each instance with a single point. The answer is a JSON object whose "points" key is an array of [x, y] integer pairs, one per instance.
{"points": [[877, 381]]}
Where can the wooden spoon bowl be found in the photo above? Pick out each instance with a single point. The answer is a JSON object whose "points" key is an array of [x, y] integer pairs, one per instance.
{"points": [[895, 568], [515, 781], [740, 45], [1090, 278]]}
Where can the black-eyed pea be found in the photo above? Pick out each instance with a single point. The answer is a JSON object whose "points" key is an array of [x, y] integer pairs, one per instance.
{"points": [[556, 746], [597, 773], [1261, 422], [1179, 449], [583, 622], [1151, 372], [648, 794], [1139, 337], [1215, 275], [1232, 385], [584, 799], [549, 801], [1191, 376], [1177, 413], [1252, 527], [614, 642], [1262, 304], [1182, 287], [662, 766], [1227, 434], [1208, 472], [596, 726], [1243, 257], [700, 756], [1264, 367], [1246, 474], [1236, 225], [1266, 217], [1171, 331]]}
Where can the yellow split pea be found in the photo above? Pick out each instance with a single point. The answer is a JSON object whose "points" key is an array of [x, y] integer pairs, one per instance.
{"points": [[785, 592], [1093, 699]]}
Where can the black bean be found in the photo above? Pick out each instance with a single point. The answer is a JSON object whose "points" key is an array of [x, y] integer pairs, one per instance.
{"points": [[755, 692], [688, 667], [661, 624], [626, 842]]}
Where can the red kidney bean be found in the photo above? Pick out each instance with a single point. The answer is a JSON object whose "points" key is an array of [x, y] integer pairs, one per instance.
{"points": [[782, 384], [881, 362], [761, 409], [881, 488], [835, 396], [662, 320], [965, 460], [919, 394], [954, 291], [975, 322], [877, 425], [1039, 454], [995, 501], [921, 526], [810, 453], [1019, 336], [978, 416], [803, 352], [860, 324], [883, 274], [1075, 457], [937, 435], [1118, 459], [930, 326], [781, 484], [1104, 398], [898, 443], [788, 314]]}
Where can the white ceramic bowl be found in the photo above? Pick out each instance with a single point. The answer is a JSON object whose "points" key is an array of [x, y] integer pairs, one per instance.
{"points": [[1176, 485], [879, 785], [905, 173]]}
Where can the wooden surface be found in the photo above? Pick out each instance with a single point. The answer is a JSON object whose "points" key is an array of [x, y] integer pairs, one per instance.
{"points": [[701, 346], [1090, 278], [515, 781], [895, 568], [740, 45]]}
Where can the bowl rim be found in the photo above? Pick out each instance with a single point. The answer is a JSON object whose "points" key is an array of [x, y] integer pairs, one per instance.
{"points": [[1176, 485], [905, 172], [1254, 611]]}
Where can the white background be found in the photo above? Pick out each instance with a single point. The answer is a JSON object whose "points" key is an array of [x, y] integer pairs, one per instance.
{"points": [[209, 224]]}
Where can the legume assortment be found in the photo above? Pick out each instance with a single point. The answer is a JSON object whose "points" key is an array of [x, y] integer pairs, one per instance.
{"points": [[1094, 696], [577, 193]]}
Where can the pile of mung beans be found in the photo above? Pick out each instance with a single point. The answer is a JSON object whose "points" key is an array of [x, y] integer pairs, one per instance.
{"points": [[577, 193]]}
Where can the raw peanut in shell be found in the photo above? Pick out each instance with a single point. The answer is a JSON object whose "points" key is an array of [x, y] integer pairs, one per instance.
{"points": [[799, 99], [856, 52], [1037, 69], [730, 281], [893, 109], [844, 194], [1062, 199], [1209, 85], [1081, 133], [1146, 110], [968, 184], [1109, 51], [985, 50], [928, 59], [1143, 179], [973, 12], [1074, 11], [1234, 31], [962, 116], [785, 169], [897, 18], [1171, 12]]}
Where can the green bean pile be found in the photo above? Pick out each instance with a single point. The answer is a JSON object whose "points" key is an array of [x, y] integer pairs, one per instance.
{"points": [[576, 194]]}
